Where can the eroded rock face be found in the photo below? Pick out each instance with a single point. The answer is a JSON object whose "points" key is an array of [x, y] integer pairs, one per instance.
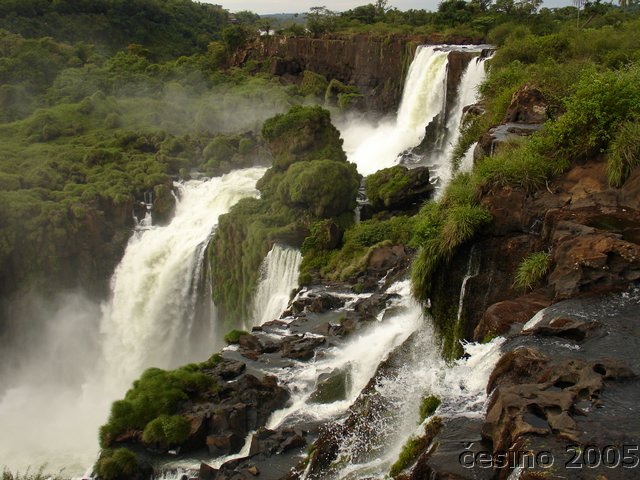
{"points": [[375, 65], [567, 379], [526, 114]]}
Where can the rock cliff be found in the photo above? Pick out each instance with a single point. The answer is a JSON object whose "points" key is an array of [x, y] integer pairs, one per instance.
{"points": [[375, 65]]}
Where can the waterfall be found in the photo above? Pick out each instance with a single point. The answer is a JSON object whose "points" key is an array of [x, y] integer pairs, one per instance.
{"points": [[156, 289], [159, 314], [375, 146], [278, 277], [372, 148], [473, 268], [468, 94]]}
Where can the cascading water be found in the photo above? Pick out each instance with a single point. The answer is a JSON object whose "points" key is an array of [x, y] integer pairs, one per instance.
{"points": [[372, 148], [156, 288], [158, 315], [468, 94], [278, 277]]}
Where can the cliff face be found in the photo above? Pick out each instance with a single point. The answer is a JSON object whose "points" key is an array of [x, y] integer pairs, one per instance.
{"points": [[375, 65]]}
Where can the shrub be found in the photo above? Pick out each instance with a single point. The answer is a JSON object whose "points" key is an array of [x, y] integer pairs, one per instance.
{"points": [[157, 392], [382, 186], [428, 406], [531, 270], [167, 430], [624, 153], [233, 336], [119, 464], [313, 84], [326, 188], [408, 455]]}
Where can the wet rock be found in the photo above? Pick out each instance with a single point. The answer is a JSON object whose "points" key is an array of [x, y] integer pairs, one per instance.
{"points": [[593, 263], [398, 188], [316, 302], [332, 386], [231, 369], [207, 472], [324, 302], [275, 442], [224, 444], [499, 317], [301, 347]]}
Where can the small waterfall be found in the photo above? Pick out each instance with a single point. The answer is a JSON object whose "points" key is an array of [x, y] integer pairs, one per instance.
{"points": [[372, 148], [152, 319], [473, 268], [468, 94], [278, 277]]}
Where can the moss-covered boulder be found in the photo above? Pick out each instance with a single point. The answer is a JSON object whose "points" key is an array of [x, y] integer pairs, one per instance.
{"points": [[310, 180], [398, 187], [325, 188], [303, 133]]}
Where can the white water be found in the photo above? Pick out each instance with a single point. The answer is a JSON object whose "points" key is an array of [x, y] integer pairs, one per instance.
{"points": [[278, 277], [468, 94], [460, 386], [52, 407], [152, 317], [360, 356], [373, 147]]}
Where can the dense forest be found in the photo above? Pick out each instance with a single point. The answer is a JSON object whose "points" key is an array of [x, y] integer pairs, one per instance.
{"points": [[103, 104]]}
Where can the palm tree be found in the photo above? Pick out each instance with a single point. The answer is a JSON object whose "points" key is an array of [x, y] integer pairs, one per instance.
{"points": [[579, 4]]}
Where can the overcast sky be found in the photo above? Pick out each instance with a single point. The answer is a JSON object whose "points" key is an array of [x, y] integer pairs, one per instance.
{"points": [[293, 6]]}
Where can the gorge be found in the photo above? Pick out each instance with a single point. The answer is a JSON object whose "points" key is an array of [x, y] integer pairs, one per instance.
{"points": [[341, 291]]}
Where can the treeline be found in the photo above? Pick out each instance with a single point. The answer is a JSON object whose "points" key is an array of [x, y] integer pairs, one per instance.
{"points": [[167, 28], [474, 18]]}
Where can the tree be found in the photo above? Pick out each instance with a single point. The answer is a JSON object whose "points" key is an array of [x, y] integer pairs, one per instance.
{"points": [[580, 4], [320, 20]]}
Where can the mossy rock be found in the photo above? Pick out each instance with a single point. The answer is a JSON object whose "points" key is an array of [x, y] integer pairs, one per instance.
{"points": [[398, 187]]}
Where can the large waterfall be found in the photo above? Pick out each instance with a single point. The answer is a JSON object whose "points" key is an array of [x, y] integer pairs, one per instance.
{"points": [[159, 314], [377, 145], [279, 276], [152, 318]]}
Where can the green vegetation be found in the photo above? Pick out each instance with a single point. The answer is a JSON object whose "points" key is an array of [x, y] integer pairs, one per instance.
{"points": [[322, 258], [118, 464], [151, 404], [29, 475], [531, 270], [310, 181], [624, 153], [428, 406], [233, 336], [415, 446], [166, 28], [408, 455], [382, 186], [166, 430]]}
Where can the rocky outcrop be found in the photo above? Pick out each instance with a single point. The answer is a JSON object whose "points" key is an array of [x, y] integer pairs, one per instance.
{"points": [[375, 65], [528, 110]]}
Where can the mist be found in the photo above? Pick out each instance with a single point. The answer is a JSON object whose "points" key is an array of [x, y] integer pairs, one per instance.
{"points": [[48, 412]]}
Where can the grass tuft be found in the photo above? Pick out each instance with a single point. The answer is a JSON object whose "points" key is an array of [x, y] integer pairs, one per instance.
{"points": [[532, 269], [624, 153]]}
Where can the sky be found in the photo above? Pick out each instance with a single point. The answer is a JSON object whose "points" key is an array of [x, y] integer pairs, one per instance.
{"points": [[299, 6]]}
